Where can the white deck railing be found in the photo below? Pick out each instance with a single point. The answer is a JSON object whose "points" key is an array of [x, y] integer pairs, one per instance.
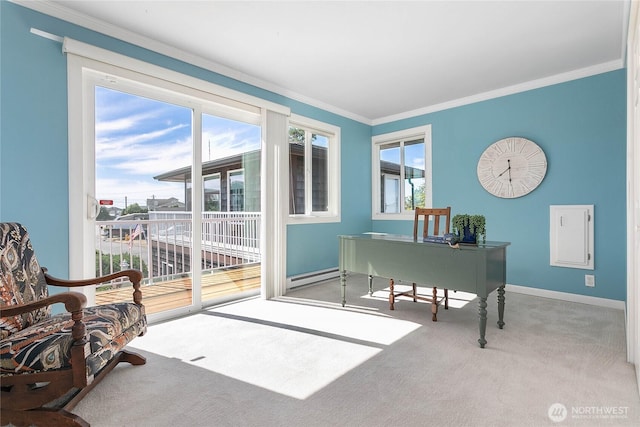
{"points": [[161, 246]]}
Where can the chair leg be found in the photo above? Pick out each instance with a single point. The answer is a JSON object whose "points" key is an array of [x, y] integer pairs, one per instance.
{"points": [[391, 295], [434, 305], [414, 293], [446, 299]]}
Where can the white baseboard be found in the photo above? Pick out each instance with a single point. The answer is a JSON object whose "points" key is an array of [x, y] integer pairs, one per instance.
{"points": [[565, 296], [331, 273]]}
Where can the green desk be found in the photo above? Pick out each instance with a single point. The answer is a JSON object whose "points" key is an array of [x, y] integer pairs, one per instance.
{"points": [[476, 269]]}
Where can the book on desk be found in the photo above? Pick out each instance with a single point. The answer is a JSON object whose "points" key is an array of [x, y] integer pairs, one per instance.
{"points": [[448, 239]]}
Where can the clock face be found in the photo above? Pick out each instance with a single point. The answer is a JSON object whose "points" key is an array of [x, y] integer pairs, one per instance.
{"points": [[512, 167]]}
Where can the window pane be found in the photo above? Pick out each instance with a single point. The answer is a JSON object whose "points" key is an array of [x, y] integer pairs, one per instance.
{"points": [[228, 146], [138, 140], [320, 174], [414, 176], [391, 194], [211, 188], [390, 176], [312, 170], [236, 191], [296, 171]]}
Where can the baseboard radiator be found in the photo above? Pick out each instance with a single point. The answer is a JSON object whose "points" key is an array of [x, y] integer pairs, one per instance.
{"points": [[312, 277]]}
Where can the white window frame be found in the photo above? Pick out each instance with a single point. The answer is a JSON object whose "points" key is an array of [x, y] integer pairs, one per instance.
{"points": [[402, 136], [332, 214], [397, 181], [206, 178]]}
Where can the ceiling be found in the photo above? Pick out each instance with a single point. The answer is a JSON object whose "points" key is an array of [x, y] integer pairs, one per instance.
{"points": [[373, 61]]}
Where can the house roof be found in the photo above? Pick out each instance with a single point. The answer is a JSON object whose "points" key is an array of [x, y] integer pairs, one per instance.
{"points": [[183, 174]]}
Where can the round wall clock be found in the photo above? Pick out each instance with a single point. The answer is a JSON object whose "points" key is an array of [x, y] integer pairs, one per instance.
{"points": [[512, 167]]}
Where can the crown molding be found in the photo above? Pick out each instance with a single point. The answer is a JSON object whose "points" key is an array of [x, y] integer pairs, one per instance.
{"points": [[509, 90], [63, 13]]}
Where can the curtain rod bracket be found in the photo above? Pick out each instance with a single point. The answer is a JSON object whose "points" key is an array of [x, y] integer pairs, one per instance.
{"points": [[46, 35]]}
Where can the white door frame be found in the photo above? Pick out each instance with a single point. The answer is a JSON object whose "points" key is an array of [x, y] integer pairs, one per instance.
{"points": [[82, 203]]}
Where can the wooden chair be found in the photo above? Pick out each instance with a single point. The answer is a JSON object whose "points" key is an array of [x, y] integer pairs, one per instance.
{"points": [[48, 363], [426, 214]]}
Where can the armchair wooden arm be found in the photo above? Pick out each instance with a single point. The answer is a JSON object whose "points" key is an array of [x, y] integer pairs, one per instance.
{"points": [[135, 276], [73, 302]]}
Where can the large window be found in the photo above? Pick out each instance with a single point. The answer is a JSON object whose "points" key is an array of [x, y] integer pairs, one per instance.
{"points": [[313, 170], [401, 173]]}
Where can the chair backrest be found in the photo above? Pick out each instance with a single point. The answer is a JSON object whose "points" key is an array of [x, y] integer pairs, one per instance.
{"points": [[436, 213], [21, 278]]}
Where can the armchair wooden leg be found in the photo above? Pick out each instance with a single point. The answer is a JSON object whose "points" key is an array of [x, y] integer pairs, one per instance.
{"points": [[132, 358], [41, 417], [391, 295], [446, 299], [122, 356], [414, 292]]}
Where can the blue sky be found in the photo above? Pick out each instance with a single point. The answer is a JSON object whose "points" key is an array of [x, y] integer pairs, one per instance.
{"points": [[138, 138]]}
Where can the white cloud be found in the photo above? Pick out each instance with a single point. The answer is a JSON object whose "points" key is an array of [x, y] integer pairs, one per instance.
{"points": [[153, 160], [225, 144], [126, 146], [137, 191]]}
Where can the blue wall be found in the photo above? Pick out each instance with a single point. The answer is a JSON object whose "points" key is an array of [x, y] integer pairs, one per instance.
{"points": [[33, 136], [580, 125]]}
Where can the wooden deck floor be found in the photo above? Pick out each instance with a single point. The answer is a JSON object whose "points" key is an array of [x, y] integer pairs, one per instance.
{"points": [[171, 294]]}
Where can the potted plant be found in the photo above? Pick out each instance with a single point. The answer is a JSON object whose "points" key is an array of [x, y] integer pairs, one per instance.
{"points": [[469, 228]]}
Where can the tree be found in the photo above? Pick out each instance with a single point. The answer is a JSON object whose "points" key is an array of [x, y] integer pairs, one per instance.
{"points": [[113, 263], [418, 198], [134, 208], [297, 135], [104, 214]]}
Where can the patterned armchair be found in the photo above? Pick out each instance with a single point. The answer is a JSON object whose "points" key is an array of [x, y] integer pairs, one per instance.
{"points": [[49, 362]]}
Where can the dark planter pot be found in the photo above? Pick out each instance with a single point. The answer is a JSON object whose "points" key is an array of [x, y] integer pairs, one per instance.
{"points": [[468, 237]]}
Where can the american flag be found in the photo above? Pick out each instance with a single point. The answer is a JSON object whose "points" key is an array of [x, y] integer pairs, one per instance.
{"points": [[136, 232]]}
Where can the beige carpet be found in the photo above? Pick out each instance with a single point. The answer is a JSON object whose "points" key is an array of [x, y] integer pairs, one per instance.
{"points": [[303, 360]]}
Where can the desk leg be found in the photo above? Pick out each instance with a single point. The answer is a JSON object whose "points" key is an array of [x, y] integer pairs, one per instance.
{"points": [[501, 306], [483, 321], [343, 286], [370, 285]]}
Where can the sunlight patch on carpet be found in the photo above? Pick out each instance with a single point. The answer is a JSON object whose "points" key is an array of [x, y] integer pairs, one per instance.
{"points": [[291, 362], [355, 324]]}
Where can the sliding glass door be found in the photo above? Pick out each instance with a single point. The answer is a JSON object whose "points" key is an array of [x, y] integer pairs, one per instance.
{"points": [[177, 184], [231, 175]]}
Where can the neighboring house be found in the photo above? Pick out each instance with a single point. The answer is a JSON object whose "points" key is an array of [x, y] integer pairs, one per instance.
{"points": [[230, 184], [114, 212], [170, 204]]}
